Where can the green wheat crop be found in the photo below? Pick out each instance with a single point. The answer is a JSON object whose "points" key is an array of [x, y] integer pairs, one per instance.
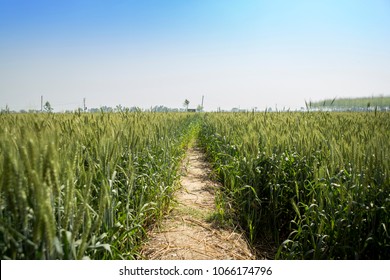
{"points": [[317, 183], [76, 186]]}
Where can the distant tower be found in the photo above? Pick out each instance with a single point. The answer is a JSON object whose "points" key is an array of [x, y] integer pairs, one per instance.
{"points": [[84, 107]]}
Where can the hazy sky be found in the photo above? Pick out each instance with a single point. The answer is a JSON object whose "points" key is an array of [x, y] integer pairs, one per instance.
{"points": [[236, 53]]}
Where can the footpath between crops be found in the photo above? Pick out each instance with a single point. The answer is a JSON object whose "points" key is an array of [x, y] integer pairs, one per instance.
{"points": [[188, 232]]}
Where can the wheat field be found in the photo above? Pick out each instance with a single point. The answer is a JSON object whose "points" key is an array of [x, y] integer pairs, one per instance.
{"points": [[314, 185]]}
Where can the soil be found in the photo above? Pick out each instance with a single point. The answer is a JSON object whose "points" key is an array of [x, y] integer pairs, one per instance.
{"points": [[188, 231]]}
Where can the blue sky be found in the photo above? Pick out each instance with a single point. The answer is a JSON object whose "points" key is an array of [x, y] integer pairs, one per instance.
{"points": [[236, 53]]}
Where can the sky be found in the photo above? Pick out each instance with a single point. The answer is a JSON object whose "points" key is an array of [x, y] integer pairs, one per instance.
{"points": [[237, 54]]}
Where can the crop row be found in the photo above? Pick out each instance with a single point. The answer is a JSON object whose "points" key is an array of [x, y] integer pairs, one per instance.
{"points": [[76, 186], [317, 183]]}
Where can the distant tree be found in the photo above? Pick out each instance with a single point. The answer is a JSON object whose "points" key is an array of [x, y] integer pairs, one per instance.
{"points": [[106, 109], [199, 108], [6, 110], [94, 110], [47, 107], [186, 103], [135, 109], [119, 108]]}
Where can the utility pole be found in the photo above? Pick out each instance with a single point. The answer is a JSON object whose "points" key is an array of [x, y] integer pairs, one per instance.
{"points": [[41, 103], [84, 107], [202, 101]]}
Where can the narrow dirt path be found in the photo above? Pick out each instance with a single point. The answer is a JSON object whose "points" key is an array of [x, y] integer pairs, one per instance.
{"points": [[187, 233]]}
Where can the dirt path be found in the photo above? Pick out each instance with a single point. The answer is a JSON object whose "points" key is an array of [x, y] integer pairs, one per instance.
{"points": [[187, 233]]}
